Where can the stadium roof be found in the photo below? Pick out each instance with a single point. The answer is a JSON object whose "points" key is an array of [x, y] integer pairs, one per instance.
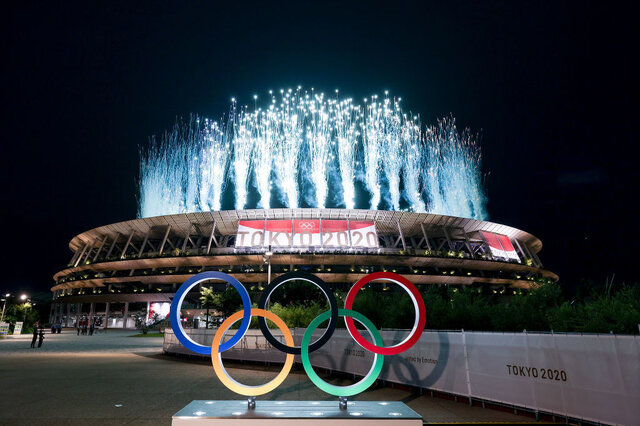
{"points": [[226, 223]]}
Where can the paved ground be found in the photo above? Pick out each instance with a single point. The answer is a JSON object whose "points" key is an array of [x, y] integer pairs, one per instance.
{"points": [[114, 379]]}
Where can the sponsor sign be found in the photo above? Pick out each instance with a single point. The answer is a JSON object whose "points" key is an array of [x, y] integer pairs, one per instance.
{"points": [[306, 232], [500, 246], [18, 328], [4, 329]]}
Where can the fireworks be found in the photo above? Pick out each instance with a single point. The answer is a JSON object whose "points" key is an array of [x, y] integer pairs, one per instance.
{"points": [[307, 149]]}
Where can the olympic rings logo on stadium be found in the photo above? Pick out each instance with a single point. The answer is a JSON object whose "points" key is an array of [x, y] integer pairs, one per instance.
{"points": [[306, 347]]}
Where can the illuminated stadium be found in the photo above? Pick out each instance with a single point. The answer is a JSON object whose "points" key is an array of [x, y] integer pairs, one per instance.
{"points": [[144, 260], [307, 183]]}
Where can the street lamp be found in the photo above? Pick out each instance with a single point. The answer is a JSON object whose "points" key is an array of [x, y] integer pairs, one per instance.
{"points": [[6, 296], [267, 260], [25, 299]]}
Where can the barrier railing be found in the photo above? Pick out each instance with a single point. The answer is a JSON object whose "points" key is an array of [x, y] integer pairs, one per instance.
{"points": [[594, 377]]}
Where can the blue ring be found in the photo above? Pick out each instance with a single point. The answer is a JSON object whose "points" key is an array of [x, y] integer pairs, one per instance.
{"points": [[176, 304]]}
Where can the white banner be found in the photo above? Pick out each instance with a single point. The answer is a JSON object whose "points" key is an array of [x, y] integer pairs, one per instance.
{"points": [[18, 328], [4, 329], [306, 232], [590, 377]]}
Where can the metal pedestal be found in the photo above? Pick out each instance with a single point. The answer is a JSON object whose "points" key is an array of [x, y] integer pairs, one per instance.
{"points": [[236, 413]]}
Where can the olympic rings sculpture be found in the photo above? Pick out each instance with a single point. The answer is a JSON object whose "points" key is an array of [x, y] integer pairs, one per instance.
{"points": [[306, 347]]}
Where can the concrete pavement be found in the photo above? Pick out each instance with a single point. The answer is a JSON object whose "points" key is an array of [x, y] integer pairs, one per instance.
{"points": [[115, 379]]}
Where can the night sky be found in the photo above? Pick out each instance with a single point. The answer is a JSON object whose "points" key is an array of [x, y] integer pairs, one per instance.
{"points": [[549, 85]]}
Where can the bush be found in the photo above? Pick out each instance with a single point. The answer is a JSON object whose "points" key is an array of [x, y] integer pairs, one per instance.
{"points": [[600, 313], [543, 308]]}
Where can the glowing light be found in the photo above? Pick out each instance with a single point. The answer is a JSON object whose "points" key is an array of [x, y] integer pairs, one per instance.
{"points": [[371, 147], [392, 158], [413, 161], [243, 143], [346, 134], [302, 147], [452, 176]]}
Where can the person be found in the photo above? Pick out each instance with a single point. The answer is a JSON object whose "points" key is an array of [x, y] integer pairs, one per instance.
{"points": [[91, 329], [84, 328], [35, 337], [41, 337], [59, 328], [78, 327]]}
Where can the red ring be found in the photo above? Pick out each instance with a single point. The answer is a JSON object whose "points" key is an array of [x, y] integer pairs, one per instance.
{"points": [[418, 303]]}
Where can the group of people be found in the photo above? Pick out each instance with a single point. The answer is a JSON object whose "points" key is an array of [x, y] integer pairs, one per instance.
{"points": [[37, 335], [83, 327]]}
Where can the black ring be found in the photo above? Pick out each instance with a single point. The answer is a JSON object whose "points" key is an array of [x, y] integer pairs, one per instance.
{"points": [[333, 320]]}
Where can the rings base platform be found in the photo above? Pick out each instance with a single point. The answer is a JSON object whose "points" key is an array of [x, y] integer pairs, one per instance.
{"points": [[237, 413]]}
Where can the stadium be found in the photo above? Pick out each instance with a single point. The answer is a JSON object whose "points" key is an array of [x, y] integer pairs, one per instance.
{"points": [[119, 271], [282, 188]]}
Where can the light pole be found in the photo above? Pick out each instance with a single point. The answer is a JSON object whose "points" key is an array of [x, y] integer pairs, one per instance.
{"points": [[267, 256], [6, 296], [25, 299], [267, 259]]}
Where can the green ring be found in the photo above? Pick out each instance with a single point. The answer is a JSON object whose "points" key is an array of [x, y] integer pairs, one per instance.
{"points": [[357, 387]]}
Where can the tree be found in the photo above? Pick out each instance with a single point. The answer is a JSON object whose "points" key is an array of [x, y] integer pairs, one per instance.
{"points": [[21, 312], [226, 303], [210, 299], [230, 302]]}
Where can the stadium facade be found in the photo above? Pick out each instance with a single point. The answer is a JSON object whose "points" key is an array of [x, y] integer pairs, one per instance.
{"points": [[119, 272]]}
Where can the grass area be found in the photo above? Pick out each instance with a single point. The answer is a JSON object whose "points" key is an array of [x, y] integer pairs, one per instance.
{"points": [[148, 335]]}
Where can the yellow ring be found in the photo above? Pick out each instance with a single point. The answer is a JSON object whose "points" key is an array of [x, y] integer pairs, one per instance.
{"points": [[228, 381]]}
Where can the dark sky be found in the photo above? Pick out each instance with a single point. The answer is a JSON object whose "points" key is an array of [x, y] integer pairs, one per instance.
{"points": [[548, 84]]}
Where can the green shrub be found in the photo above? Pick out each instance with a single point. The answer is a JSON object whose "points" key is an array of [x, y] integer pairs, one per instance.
{"points": [[543, 308]]}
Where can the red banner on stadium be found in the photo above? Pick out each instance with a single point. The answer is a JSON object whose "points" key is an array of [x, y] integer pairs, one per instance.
{"points": [[500, 246], [306, 232]]}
